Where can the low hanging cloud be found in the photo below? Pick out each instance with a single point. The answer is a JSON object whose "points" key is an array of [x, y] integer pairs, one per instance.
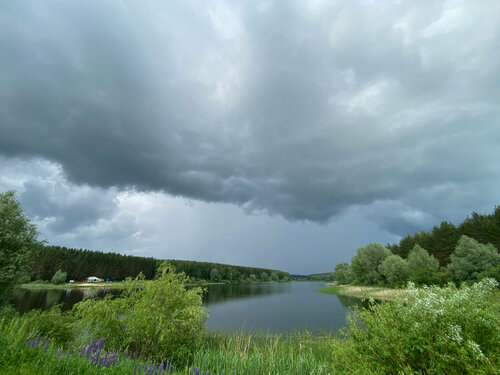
{"points": [[298, 109]]}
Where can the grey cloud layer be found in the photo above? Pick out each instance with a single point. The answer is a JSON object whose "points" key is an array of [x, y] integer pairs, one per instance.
{"points": [[300, 109]]}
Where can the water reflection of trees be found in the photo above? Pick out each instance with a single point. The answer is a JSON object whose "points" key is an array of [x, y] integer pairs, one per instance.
{"points": [[29, 299], [221, 293], [25, 300]]}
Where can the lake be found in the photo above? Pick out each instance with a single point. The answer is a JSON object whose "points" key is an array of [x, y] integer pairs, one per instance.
{"points": [[266, 307]]}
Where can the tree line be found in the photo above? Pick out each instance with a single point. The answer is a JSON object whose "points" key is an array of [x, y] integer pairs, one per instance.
{"points": [[467, 252], [441, 240], [79, 264]]}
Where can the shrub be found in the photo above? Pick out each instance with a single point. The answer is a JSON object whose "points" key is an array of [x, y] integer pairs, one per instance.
{"points": [[59, 277], [430, 330], [51, 323], [492, 273], [156, 319]]}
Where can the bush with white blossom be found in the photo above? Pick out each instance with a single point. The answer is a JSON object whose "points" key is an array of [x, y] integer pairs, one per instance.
{"points": [[430, 330]]}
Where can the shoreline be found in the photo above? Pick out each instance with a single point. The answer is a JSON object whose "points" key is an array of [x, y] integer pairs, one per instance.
{"points": [[363, 292], [114, 284]]}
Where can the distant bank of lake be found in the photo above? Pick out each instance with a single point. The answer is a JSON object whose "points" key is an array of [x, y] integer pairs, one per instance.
{"points": [[273, 307]]}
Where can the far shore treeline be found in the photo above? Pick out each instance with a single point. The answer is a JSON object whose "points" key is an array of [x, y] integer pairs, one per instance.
{"points": [[79, 264]]}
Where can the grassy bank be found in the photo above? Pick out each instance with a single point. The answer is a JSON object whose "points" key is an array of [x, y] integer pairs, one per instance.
{"points": [[365, 292]]}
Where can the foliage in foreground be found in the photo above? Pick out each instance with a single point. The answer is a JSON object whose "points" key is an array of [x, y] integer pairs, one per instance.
{"points": [[424, 331], [18, 239], [153, 319], [428, 330], [272, 354]]}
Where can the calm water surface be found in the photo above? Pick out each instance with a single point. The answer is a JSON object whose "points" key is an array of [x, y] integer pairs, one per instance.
{"points": [[273, 307]]}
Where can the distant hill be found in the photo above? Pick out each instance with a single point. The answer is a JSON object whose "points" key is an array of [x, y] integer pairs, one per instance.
{"points": [[327, 276], [299, 277]]}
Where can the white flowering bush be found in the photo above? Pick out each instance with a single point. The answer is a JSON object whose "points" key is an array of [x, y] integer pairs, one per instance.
{"points": [[431, 330]]}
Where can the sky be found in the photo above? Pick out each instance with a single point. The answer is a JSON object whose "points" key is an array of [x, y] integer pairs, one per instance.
{"points": [[279, 134]]}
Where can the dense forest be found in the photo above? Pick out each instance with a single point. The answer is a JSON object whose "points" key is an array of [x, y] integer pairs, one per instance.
{"points": [[441, 241], [79, 264]]}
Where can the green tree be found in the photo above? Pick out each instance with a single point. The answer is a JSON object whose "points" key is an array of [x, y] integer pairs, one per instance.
{"points": [[214, 274], [423, 267], [366, 262], [252, 277], [343, 273], [395, 269], [18, 243], [471, 258], [59, 277], [264, 276], [274, 276]]}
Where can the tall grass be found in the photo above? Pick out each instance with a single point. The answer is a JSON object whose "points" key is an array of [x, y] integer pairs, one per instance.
{"points": [[241, 353]]}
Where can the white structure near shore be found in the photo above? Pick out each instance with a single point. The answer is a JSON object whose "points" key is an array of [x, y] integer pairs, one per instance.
{"points": [[93, 279]]}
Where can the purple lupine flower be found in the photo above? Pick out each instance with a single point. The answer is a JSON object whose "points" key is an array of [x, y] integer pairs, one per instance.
{"points": [[59, 362], [135, 368], [67, 356], [28, 343], [88, 351], [100, 343], [36, 341], [161, 367], [46, 343], [169, 367], [196, 371], [96, 356]]}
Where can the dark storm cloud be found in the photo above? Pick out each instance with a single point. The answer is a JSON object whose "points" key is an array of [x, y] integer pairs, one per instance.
{"points": [[300, 109]]}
